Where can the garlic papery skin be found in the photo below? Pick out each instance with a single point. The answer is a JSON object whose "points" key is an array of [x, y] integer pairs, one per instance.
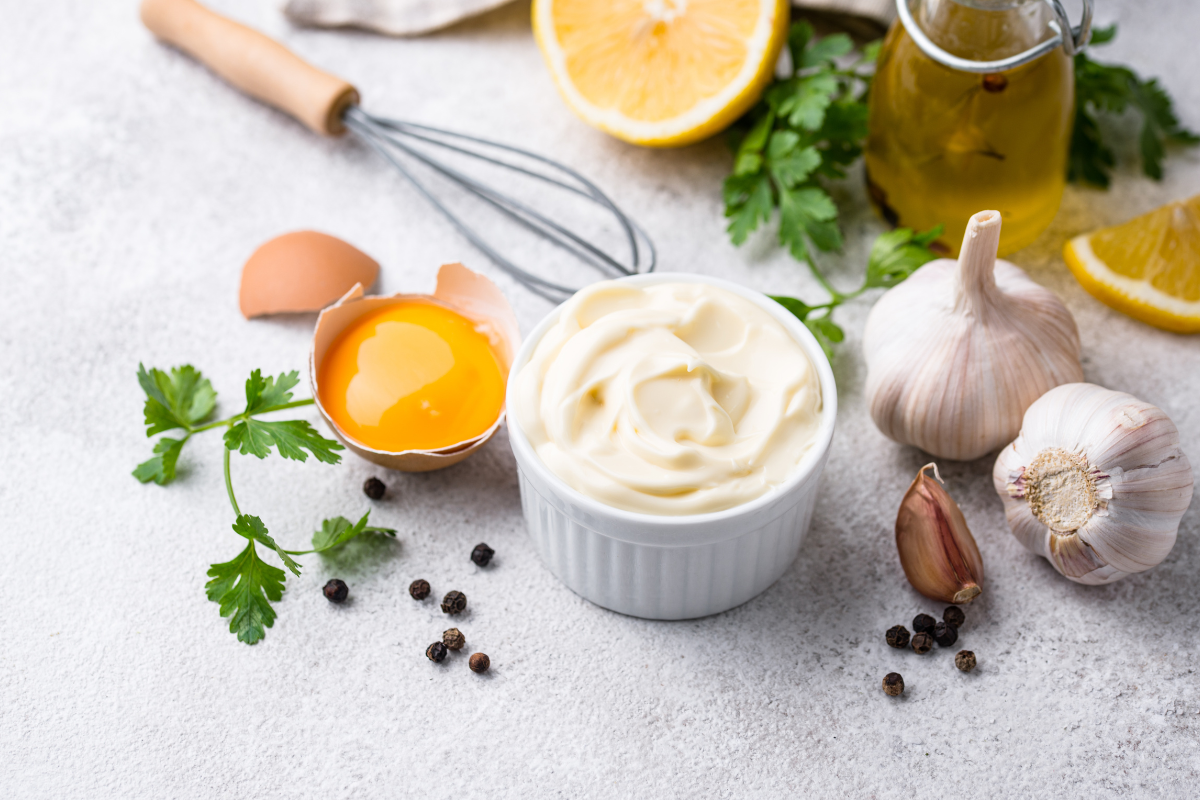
{"points": [[1096, 483], [938, 553], [956, 353]]}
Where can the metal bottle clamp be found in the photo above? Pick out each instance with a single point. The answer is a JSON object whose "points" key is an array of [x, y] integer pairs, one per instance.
{"points": [[1072, 40]]}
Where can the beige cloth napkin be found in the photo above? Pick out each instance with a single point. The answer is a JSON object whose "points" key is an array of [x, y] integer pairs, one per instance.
{"points": [[393, 17], [416, 17]]}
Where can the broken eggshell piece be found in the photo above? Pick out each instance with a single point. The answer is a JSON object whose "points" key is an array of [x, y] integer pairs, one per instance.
{"points": [[302, 271], [460, 290]]}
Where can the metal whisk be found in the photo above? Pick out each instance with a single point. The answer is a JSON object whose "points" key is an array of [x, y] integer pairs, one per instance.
{"points": [[387, 136], [267, 70]]}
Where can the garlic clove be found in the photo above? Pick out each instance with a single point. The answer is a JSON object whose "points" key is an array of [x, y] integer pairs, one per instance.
{"points": [[1096, 483], [938, 553], [956, 353]]}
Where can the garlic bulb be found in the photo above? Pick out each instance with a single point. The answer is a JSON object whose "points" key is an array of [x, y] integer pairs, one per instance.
{"points": [[1096, 483], [957, 352]]}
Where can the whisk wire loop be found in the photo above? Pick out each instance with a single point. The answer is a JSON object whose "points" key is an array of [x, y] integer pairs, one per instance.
{"points": [[522, 213], [386, 136]]}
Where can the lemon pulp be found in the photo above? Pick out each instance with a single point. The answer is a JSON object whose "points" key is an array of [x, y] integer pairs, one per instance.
{"points": [[411, 376], [660, 72], [1148, 268], [1161, 248]]}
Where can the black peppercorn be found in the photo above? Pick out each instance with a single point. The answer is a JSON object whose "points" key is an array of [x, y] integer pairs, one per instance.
{"points": [[419, 589], [945, 635], [480, 662], [454, 639], [923, 623], [436, 652], [482, 554], [374, 488], [922, 643], [336, 591], [454, 602], [897, 636], [893, 684], [954, 616], [965, 660]]}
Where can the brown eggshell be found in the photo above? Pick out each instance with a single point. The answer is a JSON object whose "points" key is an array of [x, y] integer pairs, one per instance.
{"points": [[458, 289], [302, 271]]}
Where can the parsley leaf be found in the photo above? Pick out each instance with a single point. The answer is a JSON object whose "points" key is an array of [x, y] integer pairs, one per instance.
{"points": [[798, 307], [255, 437], [828, 333], [179, 399], [263, 393], [1160, 126], [826, 49], [841, 136], [749, 155], [245, 588], [802, 101], [897, 254], [292, 437], [748, 202], [823, 327], [1111, 89], [805, 214], [338, 531], [161, 468], [254, 530], [793, 167]]}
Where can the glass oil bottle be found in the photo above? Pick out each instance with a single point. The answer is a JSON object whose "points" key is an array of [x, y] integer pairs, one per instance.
{"points": [[946, 142]]}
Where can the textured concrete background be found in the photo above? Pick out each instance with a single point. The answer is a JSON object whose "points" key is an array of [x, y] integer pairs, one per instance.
{"points": [[133, 184]]}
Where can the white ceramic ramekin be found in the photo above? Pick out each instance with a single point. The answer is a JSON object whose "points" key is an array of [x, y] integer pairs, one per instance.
{"points": [[672, 567]]}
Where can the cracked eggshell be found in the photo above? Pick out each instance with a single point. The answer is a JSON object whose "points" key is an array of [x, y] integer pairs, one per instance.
{"points": [[459, 289], [302, 271]]}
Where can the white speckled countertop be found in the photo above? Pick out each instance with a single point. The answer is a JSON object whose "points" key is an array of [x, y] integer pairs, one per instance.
{"points": [[133, 184]]}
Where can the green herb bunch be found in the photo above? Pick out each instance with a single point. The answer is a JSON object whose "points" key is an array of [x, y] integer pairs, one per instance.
{"points": [[1111, 89], [810, 127], [183, 399]]}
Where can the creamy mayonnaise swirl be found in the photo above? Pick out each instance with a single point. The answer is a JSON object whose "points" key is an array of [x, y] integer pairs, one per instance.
{"points": [[671, 398]]}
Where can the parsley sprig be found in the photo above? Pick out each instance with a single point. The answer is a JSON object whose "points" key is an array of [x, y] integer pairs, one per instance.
{"points": [[183, 399], [1111, 89], [809, 127], [894, 256]]}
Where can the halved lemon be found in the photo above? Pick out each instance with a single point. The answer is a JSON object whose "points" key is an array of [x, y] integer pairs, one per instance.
{"points": [[1148, 268], [660, 72]]}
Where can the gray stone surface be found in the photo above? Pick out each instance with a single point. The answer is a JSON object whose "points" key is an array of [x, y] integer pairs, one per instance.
{"points": [[133, 184]]}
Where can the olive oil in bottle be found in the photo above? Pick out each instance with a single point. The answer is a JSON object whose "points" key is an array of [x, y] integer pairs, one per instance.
{"points": [[945, 143]]}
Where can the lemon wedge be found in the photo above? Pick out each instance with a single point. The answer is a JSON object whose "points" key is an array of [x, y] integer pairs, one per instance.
{"points": [[661, 73], [1148, 268]]}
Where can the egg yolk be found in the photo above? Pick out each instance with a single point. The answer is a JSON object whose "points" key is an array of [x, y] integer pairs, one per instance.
{"points": [[412, 376]]}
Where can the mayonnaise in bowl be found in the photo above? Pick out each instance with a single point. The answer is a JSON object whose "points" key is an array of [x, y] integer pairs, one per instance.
{"points": [[668, 398]]}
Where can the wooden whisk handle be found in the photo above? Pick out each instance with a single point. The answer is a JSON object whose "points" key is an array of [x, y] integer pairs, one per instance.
{"points": [[258, 65]]}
